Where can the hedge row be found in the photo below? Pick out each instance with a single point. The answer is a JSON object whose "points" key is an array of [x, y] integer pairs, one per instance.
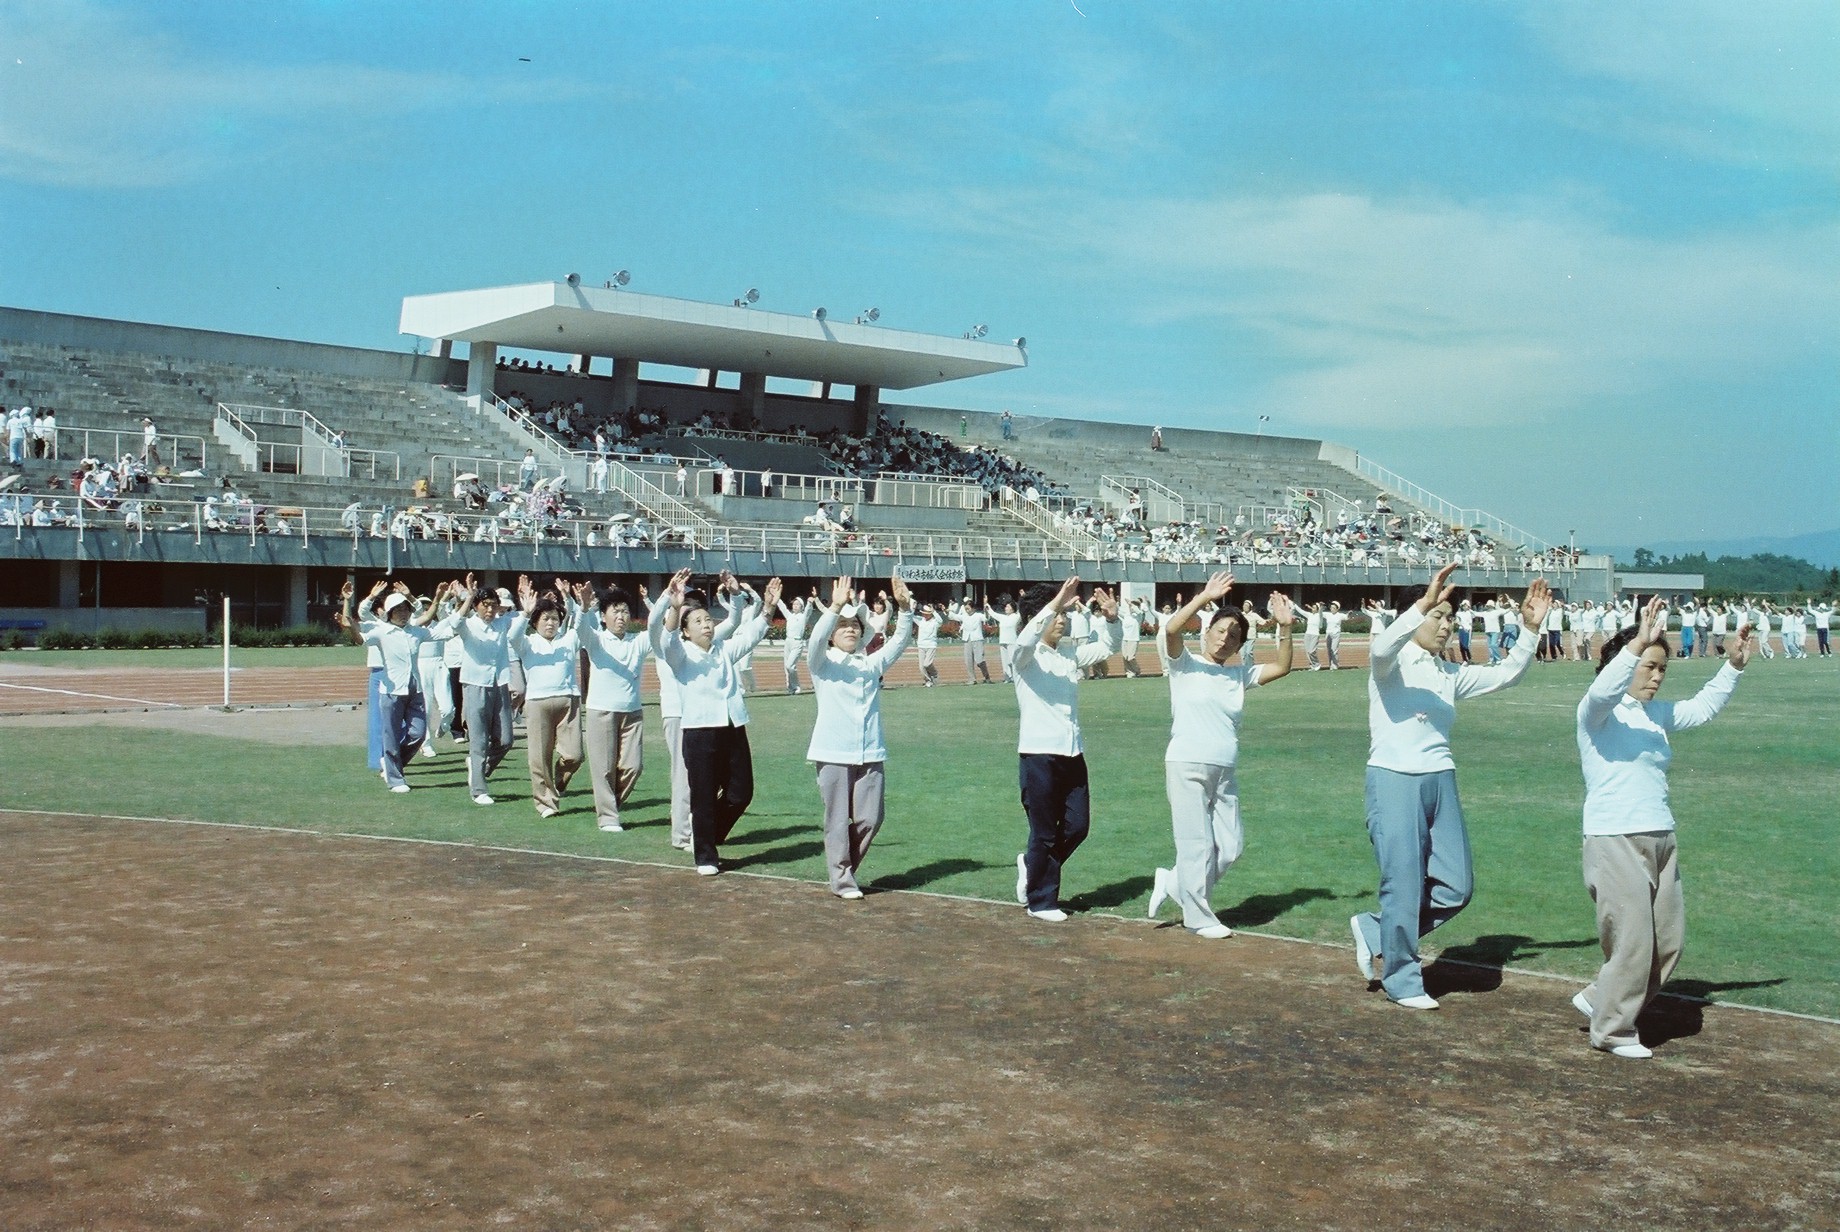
{"points": [[161, 639]]}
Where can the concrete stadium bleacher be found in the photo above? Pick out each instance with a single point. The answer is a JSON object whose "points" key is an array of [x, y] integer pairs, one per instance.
{"points": [[105, 375]]}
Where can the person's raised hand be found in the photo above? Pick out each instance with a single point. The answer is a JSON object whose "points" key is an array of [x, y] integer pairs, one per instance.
{"points": [[1069, 591], [1440, 589], [1743, 645], [1534, 607], [1653, 624], [382, 585], [903, 597], [770, 596], [1218, 586], [1281, 609], [842, 592], [1107, 603]]}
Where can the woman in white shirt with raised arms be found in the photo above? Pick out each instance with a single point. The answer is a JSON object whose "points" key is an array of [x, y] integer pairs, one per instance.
{"points": [[1631, 864], [846, 742], [1207, 696]]}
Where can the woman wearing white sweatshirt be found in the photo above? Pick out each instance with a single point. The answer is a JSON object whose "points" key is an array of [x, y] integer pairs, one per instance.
{"points": [[846, 741], [1631, 864]]}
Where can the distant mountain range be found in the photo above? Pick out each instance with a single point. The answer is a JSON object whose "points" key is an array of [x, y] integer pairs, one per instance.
{"points": [[1821, 547]]}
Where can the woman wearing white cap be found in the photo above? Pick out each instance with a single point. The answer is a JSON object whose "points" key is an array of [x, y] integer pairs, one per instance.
{"points": [[1631, 863], [397, 637]]}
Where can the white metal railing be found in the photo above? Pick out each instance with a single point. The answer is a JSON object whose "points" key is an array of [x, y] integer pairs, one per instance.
{"points": [[318, 451], [514, 530], [1157, 502], [173, 447], [527, 432], [1451, 514], [1036, 514]]}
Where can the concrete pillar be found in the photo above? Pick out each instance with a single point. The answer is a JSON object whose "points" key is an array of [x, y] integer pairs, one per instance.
{"points": [[70, 583], [481, 367], [753, 400], [584, 364], [446, 350], [625, 384], [868, 409], [706, 377], [296, 595]]}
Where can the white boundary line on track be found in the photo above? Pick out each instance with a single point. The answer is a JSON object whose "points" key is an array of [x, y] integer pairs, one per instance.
{"points": [[107, 697], [956, 898]]}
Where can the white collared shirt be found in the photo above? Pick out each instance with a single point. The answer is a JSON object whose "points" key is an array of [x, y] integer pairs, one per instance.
{"points": [[708, 681], [1412, 696], [485, 651], [848, 731], [614, 663], [396, 648], [1047, 684], [1623, 746], [549, 663]]}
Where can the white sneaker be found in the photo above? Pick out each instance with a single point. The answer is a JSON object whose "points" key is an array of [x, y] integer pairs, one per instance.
{"points": [[1632, 1052], [611, 827], [428, 750], [483, 798], [1363, 957], [400, 788], [682, 844], [1582, 1004], [546, 813], [1159, 892], [1214, 932], [1420, 1002], [707, 870], [850, 894], [1053, 915], [1022, 880]]}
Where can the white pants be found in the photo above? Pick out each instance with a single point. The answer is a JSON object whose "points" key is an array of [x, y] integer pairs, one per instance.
{"points": [[1204, 812]]}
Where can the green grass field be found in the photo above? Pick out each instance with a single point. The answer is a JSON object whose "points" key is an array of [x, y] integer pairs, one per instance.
{"points": [[1754, 794]]}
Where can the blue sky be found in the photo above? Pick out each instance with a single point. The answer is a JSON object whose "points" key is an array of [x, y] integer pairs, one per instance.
{"points": [[1574, 263]]}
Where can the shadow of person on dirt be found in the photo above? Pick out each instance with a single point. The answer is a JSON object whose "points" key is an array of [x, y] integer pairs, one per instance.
{"points": [[1475, 966], [1680, 1010], [925, 874], [1117, 894], [1264, 908]]}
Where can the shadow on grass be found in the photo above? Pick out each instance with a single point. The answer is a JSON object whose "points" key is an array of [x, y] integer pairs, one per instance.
{"points": [[926, 874], [1680, 1010], [778, 855], [1264, 908], [1117, 894], [749, 838], [1476, 965]]}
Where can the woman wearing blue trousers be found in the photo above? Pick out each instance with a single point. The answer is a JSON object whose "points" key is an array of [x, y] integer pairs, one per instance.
{"points": [[1413, 814]]}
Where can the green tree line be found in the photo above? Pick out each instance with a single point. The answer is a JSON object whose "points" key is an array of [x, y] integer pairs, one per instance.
{"points": [[1762, 574]]}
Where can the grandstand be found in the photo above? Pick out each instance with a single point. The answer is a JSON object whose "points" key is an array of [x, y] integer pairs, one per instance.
{"points": [[283, 465]]}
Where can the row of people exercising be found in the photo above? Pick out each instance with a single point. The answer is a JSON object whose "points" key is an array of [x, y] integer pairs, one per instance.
{"points": [[1414, 814]]}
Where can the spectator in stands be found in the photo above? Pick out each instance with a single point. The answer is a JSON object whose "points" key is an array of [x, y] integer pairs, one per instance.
{"points": [[1156, 438], [1008, 422], [527, 470], [150, 444]]}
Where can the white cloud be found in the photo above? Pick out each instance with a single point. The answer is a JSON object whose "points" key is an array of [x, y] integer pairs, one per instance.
{"points": [[95, 97], [1742, 82]]}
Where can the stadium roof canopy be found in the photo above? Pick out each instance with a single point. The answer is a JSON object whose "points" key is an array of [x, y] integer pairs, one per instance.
{"points": [[557, 316]]}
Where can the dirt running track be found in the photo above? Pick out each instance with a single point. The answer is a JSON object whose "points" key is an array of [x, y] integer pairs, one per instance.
{"points": [[213, 1027]]}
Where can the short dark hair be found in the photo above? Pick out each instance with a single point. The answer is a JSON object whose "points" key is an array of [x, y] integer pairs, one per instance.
{"points": [[614, 596], [1237, 617], [548, 603], [1037, 597], [1621, 638]]}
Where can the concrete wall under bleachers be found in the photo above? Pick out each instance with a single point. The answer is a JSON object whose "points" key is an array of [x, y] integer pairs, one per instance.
{"points": [[985, 428]]}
